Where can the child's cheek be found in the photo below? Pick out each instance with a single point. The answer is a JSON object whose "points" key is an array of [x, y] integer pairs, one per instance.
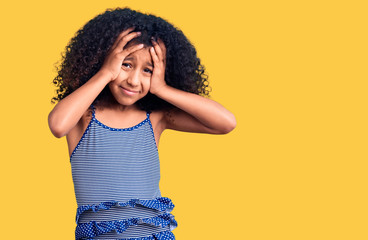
{"points": [[148, 83]]}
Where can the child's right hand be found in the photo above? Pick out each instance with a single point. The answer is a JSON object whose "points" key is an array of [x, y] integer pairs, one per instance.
{"points": [[116, 55]]}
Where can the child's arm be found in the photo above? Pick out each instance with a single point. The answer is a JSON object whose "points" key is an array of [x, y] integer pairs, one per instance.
{"points": [[196, 114], [70, 109]]}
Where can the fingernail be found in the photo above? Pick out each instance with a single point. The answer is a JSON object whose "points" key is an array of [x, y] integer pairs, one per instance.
{"points": [[139, 33]]}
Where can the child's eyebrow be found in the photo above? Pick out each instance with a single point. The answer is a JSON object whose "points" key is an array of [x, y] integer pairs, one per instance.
{"points": [[129, 58]]}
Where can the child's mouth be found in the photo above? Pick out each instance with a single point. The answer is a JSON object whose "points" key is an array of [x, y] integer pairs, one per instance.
{"points": [[128, 91]]}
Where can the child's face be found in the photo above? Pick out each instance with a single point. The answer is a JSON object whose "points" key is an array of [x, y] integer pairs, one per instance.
{"points": [[134, 80]]}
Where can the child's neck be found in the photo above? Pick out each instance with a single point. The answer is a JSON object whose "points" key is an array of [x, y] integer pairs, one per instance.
{"points": [[117, 107]]}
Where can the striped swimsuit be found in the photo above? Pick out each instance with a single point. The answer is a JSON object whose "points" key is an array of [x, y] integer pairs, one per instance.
{"points": [[116, 174]]}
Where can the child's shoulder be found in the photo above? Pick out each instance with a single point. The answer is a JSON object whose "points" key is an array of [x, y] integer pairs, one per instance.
{"points": [[157, 118], [158, 121]]}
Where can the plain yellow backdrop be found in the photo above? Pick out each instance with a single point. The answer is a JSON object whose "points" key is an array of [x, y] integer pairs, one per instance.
{"points": [[294, 73]]}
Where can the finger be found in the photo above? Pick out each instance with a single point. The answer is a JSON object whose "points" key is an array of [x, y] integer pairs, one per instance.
{"points": [[125, 39], [162, 46], [121, 35], [131, 49], [158, 50], [155, 58]]}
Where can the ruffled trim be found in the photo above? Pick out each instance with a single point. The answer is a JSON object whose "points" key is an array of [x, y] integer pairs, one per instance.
{"points": [[93, 228], [159, 203], [166, 235]]}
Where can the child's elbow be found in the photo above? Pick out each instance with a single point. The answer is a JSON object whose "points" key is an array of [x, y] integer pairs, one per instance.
{"points": [[229, 125], [55, 128], [57, 133]]}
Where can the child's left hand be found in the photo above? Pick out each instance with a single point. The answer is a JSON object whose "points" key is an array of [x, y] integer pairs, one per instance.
{"points": [[158, 54]]}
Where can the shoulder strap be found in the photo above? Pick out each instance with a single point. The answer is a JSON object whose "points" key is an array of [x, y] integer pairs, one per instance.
{"points": [[93, 111]]}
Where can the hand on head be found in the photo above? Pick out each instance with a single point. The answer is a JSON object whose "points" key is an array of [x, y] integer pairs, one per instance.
{"points": [[116, 54], [158, 54]]}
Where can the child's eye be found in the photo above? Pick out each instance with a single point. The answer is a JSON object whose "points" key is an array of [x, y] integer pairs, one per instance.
{"points": [[148, 70], [126, 65]]}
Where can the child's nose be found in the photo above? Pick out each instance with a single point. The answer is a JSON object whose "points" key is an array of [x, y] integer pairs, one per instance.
{"points": [[133, 78]]}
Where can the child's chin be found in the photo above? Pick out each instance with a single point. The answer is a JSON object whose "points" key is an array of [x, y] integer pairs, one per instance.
{"points": [[128, 102]]}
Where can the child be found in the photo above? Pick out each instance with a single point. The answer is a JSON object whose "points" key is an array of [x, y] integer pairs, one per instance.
{"points": [[125, 78]]}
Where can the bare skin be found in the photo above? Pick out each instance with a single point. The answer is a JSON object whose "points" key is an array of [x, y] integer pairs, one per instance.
{"points": [[130, 75]]}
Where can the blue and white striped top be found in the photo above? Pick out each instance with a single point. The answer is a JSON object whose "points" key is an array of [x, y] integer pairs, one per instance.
{"points": [[116, 174]]}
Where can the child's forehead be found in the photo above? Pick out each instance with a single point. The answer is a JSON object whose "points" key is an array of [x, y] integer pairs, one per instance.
{"points": [[140, 55]]}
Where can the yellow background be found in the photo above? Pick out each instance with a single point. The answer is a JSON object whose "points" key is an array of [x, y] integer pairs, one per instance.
{"points": [[294, 73]]}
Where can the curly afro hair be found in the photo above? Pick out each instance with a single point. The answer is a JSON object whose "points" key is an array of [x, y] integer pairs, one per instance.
{"points": [[86, 51]]}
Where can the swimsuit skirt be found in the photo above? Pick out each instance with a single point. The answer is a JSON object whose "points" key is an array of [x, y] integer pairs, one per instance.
{"points": [[116, 174]]}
